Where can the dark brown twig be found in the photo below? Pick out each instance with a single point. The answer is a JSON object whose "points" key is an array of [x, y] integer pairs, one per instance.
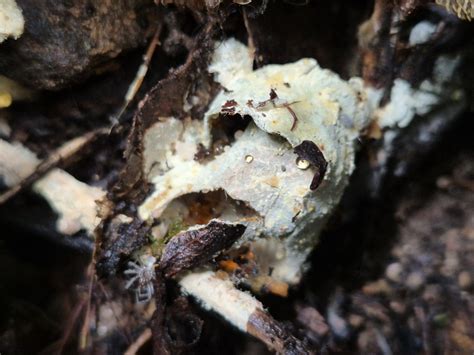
{"points": [[262, 326]]}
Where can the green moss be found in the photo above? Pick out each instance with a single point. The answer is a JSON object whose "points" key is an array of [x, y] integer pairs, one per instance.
{"points": [[158, 244]]}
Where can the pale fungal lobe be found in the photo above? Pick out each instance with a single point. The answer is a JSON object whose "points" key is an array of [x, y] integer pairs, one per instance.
{"points": [[73, 200], [421, 32], [221, 296], [406, 101], [329, 111], [11, 20]]}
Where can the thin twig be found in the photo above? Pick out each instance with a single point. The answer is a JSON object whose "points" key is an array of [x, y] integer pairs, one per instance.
{"points": [[70, 325], [141, 73], [84, 332], [251, 41], [139, 342]]}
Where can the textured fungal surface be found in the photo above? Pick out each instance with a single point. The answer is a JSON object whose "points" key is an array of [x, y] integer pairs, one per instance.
{"points": [[279, 143]]}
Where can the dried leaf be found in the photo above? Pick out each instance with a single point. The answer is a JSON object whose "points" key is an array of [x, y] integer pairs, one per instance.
{"points": [[309, 151], [195, 247]]}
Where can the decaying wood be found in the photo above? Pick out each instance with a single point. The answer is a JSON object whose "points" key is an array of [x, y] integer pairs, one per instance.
{"points": [[262, 326]]}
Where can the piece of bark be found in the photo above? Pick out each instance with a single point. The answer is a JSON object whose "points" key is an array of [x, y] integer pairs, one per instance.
{"points": [[262, 326], [123, 237]]}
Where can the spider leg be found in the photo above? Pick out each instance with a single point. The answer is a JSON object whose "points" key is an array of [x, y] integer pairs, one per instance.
{"points": [[141, 295], [133, 265], [131, 282], [144, 293], [149, 291]]}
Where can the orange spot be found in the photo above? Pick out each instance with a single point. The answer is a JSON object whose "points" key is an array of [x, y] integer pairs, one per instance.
{"points": [[228, 265], [278, 288], [272, 181]]}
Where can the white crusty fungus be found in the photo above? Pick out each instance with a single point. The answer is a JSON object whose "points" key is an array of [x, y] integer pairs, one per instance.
{"points": [[73, 200], [285, 105]]}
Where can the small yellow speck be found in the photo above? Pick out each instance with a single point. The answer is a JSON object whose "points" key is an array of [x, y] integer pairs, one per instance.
{"points": [[5, 99], [248, 158]]}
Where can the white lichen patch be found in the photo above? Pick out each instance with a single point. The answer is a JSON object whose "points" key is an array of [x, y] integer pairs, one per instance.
{"points": [[287, 104], [11, 20]]}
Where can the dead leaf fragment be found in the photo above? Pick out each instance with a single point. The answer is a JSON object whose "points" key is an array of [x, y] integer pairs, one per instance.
{"points": [[309, 151], [195, 247]]}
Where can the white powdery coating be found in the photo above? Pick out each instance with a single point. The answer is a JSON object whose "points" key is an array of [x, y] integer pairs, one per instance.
{"points": [[73, 200], [16, 162], [11, 20], [330, 112], [421, 32], [221, 296], [406, 101]]}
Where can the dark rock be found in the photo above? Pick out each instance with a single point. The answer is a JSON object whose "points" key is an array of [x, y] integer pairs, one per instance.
{"points": [[67, 41]]}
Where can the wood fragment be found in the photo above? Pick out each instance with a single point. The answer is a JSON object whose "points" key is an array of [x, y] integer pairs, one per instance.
{"points": [[262, 326], [141, 72]]}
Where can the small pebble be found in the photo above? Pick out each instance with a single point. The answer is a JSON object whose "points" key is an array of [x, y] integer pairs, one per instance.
{"points": [[394, 272], [355, 320], [248, 158], [415, 280], [377, 287], [432, 293], [464, 280], [443, 182], [398, 307]]}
